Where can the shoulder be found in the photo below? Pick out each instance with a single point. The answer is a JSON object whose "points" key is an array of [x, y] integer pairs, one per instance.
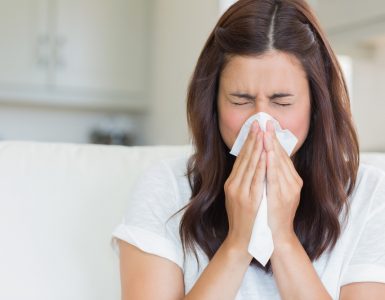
{"points": [[166, 178], [165, 170], [372, 168], [369, 176], [155, 195], [151, 220], [177, 165], [369, 191], [365, 238], [177, 168]]}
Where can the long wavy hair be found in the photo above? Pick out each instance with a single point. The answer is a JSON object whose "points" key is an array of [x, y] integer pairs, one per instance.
{"points": [[328, 159]]}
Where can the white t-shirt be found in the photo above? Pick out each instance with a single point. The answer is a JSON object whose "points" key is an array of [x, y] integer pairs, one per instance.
{"points": [[162, 189]]}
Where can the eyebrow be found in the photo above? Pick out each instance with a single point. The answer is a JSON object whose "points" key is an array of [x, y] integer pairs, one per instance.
{"points": [[251, 97]]}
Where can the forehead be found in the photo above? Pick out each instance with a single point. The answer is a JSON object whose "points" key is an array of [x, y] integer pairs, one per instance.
{"points": [[271, 70]]}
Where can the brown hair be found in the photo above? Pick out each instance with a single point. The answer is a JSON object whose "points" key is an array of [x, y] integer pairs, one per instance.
{"points": [[328, 159]]}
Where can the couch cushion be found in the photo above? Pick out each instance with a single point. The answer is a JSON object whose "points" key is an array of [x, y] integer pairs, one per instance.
{"points": [[59, 204]]}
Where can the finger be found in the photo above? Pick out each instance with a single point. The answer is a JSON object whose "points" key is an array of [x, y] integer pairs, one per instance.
{"points": [[256, 188], [268, 145], [272, 171], [243, 156], [279, 171], [253, 162], [285, 161], [282, 160], [249, 136]]}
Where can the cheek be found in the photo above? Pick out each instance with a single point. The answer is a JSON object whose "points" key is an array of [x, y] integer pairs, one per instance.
{"points": [[298, 124], [230, 124]]}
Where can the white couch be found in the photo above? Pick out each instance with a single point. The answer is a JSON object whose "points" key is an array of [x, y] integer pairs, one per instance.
{"points": [[58, 206], [59, 203]]}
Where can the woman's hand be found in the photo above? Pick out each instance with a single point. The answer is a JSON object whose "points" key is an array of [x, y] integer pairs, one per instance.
{"points": [[243, 189], [283, 188]]}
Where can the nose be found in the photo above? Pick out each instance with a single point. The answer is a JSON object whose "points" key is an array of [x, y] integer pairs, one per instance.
{"points": [[262, 106]]}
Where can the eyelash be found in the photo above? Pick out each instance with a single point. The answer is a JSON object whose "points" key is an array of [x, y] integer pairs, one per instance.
{"points": [[280, 104]]}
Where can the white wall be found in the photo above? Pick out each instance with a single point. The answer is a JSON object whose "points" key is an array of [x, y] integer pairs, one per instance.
{"points": [[360, 35], [180, 29], [335, 14], [369, 100]]}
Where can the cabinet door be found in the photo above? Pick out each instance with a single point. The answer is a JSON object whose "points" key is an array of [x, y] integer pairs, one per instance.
{"points": [[24, 43], [101, 45]]}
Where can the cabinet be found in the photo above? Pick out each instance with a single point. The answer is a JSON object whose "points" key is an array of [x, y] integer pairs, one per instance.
{"points": [[90, 53], [21, 23]]}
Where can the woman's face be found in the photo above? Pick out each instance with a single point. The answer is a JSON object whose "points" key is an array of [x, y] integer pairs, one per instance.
{"points": [[274, 83]]}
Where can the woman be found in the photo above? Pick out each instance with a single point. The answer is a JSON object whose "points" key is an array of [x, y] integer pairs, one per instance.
{"points": [[187, 230]]}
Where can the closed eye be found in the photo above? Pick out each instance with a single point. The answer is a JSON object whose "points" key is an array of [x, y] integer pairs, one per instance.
{"points": [[273, 98], [283, 104], [235, 103], [280, 104]]}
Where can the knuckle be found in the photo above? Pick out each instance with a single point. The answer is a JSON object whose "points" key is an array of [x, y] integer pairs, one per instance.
{"points": [[228, 186], [231, 190], [300, 182]]}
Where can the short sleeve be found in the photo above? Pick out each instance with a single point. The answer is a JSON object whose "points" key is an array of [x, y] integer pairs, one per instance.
{"points": [[146, 223], [368, 260]]}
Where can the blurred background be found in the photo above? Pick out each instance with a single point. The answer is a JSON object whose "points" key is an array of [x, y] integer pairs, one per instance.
{"points": [[116, 71]]}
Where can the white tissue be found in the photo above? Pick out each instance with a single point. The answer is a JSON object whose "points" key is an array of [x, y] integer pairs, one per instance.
{"points": [[261, 243]]}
